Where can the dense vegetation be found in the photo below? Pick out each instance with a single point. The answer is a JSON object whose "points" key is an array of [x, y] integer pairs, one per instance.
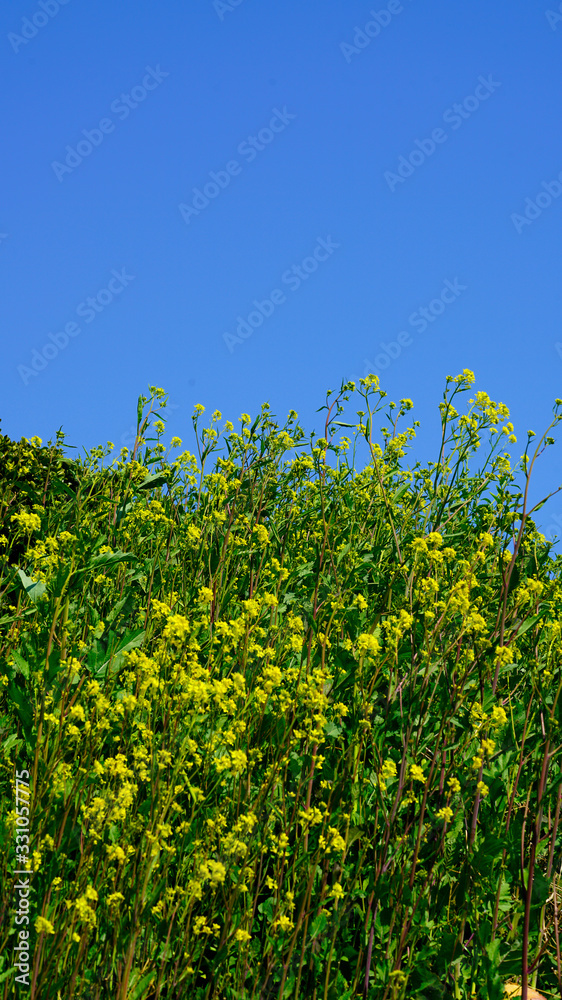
{"points": [[292, 730]]}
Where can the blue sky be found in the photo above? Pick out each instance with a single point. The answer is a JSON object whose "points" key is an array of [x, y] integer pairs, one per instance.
{"points": [[317, 177]]}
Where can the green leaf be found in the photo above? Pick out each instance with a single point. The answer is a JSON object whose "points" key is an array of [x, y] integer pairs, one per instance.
{"points": [[541, 888], [267, 907], [152, 482], [529, 624], [21, 664], [332, 730], [343, 552], [132, 640], [400, 492], [34, 589], [107, 559], [318, 925], [10, 742], [122, 511], [22, 706]]}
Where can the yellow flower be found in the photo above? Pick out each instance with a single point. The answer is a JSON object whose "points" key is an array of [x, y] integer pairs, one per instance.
{"points": [[367, 643], [483, 789], [284, 923], [205, 595], [115, 853], [445, 813], [416, 773], [454, 784], [29, 522], [77, 712], [336, 891], [388, 770], [43, 926], [499, 718], [242, 935]]}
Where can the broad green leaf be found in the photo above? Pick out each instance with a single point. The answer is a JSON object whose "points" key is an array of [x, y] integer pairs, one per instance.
{"points": [[132, 640], [34, 589], [155, 480], [21, 664]]}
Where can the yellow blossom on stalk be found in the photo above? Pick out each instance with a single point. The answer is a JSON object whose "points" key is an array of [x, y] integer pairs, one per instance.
{"points": [[83, 909], [483, 789], [29, 522], [360, 602], [388, 771], [487, 747], [477, 716], [242, 935], [454, 784], [205, 595], [499, 717], [416, 773], [263, 536], [159, 607], [43, 926], [367, 643], [177, 627], [214, 870], [252, 607], [336, 891], [115, 899], [445, 813], [336, 842], [486, 539], [115, 853], [504, 655], [283, 923]]}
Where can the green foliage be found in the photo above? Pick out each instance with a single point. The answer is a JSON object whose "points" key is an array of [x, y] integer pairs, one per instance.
{"points": [[292, 730]]}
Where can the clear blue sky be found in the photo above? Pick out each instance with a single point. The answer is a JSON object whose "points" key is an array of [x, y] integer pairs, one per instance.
{"points": [[370, 163]]}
